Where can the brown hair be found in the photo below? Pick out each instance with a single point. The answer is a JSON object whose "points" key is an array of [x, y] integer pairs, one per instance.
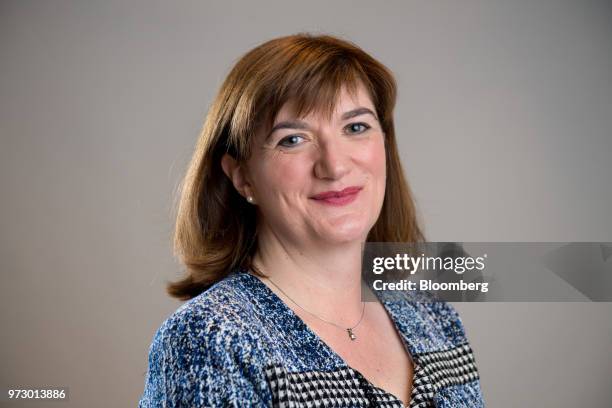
{"points": [[215, 227]]}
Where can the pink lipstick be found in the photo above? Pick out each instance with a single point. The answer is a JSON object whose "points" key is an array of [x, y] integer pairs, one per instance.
{"points": [[338, 198]]}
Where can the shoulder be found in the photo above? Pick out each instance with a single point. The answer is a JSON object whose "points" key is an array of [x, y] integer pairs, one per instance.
{"points": [[220, 316], [443, 314], [205, 354]]}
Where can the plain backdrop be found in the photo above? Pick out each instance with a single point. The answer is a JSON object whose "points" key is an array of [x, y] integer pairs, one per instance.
{"points": [[504, 121]]}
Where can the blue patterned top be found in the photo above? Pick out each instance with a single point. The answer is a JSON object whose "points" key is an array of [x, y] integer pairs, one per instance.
{"points": [[238, 344]]}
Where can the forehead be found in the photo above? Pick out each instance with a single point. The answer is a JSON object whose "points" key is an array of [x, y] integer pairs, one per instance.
{"points": [[346, 100]]}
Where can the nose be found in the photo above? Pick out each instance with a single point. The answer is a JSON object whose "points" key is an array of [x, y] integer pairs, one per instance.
{"points": [[333, 160]]}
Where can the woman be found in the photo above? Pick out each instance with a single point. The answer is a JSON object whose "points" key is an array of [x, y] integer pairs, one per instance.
{"points": [[296, 167]]}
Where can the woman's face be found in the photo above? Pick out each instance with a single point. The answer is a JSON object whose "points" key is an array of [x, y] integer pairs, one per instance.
{"points": [[318, 180]]}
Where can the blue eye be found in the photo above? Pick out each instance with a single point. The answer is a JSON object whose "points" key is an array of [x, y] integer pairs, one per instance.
{"points": [[292, 141], [357, 127]]}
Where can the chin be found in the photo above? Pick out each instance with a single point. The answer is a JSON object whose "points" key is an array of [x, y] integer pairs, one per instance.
{"points": [[347, 230]]}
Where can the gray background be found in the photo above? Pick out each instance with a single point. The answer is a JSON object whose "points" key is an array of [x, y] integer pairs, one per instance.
{"points": [[504, 122]]}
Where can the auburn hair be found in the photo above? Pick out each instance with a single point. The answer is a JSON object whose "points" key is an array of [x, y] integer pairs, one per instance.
{"points": [[215, 228]]}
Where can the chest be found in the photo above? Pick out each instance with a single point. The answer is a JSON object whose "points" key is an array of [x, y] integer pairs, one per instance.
{"points": [[378, 353]]}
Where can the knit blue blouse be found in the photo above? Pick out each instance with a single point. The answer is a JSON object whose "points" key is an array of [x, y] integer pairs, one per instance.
{"points": [[238, 344]]}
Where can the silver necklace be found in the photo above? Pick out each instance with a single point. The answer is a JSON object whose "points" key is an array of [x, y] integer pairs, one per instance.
{"points": [[349, 330]]}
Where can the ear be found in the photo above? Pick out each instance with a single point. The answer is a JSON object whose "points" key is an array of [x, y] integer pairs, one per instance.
{"points": [[236, 173]]}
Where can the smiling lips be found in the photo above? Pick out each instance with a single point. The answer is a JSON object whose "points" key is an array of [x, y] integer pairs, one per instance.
{"points": [[342, 197]]}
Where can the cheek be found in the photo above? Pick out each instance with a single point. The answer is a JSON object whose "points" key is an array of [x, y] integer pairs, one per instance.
{"points": [[374, 160], [376, 168], [378, 172], [283, 174]]}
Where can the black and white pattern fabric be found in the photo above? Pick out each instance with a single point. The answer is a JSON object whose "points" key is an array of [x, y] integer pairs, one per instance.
{"points": [[440, 369], [347, 387], [422, 389], [344, 387]]}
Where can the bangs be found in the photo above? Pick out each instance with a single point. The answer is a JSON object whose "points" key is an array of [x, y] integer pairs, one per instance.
{"points": [[309, 78], [317, 92]]}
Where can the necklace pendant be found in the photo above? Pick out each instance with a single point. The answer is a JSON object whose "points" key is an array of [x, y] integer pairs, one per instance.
{"points": [[351, 335]]}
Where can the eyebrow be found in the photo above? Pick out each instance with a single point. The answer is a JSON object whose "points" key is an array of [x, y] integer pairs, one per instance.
{"points": [[299, 124]]}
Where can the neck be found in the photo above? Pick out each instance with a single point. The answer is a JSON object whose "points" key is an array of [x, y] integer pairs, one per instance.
{"points": [[321, 278]]}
